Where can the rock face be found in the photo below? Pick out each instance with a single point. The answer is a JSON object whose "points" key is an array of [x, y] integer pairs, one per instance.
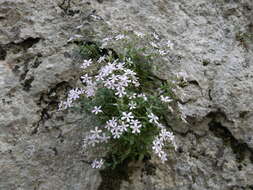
{"points": [[40, 148]]}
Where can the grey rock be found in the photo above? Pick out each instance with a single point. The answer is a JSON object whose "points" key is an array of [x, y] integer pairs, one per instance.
{"points": [[41, 148]]}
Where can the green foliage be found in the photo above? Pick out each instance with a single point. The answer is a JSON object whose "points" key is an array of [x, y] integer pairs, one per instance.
{"points": [[129, 146], [90, 50]]}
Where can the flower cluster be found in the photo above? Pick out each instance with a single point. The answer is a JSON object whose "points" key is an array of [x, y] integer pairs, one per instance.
{"points": [[97, 163], [135, 113], [73, 94], [160, 140]]}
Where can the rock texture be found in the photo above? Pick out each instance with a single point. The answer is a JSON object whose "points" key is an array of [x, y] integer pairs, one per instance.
{"points": [[40, 148]]}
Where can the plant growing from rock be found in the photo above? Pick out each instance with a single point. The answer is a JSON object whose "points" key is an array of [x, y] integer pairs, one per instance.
{"points": [[131, 104]]}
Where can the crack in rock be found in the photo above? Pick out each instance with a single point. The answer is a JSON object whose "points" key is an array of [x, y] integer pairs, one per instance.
{"points": [[240, 149]]}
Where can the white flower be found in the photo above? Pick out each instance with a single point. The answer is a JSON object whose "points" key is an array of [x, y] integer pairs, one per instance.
{"points": [[174, 144], [97, 163], [96, 132], [86, 63], [85, 78], [96, 110], [180, 106], [157, 145], [152, 118], [78, 36], [170, 108], [142, 96], [182, 75], [85, 142], [92, 140], [101, 59], [163, 156], [70, 39], [114, 78], [130, 72], [120, 92], [95, 17], [129, 60], [114, 127], [60, 106], [104, 138], [90, 90], [165, 135], [170, 44], [135, 126], [81, 91], [99, 77], [80, 26], [139, 34], [162, 52], [156, 36], [153, 44], [68, 103], [136, 83], [124, 80], [161, 126], [132, 96], [183, 118], [127, 116], [106, 70], [123, 126], [112, 123], [166, 99], [120, 66], [120, 36], [132, 105], [74, 94], [116, 132], [107, 39], [104, 44], [109, 84]]}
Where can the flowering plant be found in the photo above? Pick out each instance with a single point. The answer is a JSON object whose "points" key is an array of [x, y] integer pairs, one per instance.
{"points": [[131, 104]]}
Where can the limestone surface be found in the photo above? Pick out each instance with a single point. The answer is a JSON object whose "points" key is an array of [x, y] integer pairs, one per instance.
{"points": [[41, 148]]}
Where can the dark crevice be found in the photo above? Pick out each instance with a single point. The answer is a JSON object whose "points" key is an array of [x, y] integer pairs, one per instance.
{"points": [[28, 43], [90, 49], [2, 17], [25, 59], [240, 149], [54, 149], [25, 71], [112, 178], [210, 94], [28, 63], [149, 168], [65, 5], [246, 187], [27, 84], [49, 103], [43, 116], [23, 45], [243, 114], [37, 61], [3, 53], [194, 82]]}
